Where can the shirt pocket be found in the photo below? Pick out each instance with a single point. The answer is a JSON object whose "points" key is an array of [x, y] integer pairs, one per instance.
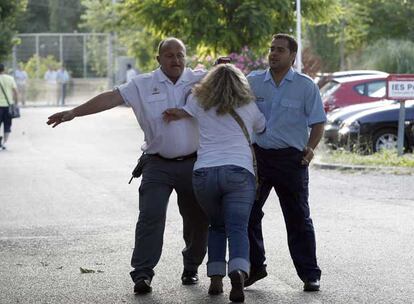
{"points": [[291, 103], [292, 107], [156, 104]]}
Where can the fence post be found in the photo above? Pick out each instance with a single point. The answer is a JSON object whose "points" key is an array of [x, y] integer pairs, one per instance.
{"points": [[37, 57], [61, 49], [85, 57], [14, 58], [110, 67]]}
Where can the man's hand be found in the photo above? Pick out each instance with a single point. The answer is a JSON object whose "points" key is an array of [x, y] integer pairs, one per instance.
{"points": [[60, 117], [174, 114], [307, 156]]}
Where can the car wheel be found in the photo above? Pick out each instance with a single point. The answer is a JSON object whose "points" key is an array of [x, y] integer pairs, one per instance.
{"points": [[385, 139]]}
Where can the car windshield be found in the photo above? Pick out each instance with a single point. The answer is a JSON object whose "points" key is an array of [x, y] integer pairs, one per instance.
{"points": [[329, 88]]}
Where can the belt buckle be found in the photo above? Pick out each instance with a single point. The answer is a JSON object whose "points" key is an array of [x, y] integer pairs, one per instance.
{"points": [[179, 158]]}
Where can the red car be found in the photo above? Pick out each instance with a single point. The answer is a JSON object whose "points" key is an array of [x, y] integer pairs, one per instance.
{"points": [[345, 91]]}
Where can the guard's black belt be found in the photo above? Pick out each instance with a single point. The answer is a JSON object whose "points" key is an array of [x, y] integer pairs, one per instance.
{"points": [[179, 158]]}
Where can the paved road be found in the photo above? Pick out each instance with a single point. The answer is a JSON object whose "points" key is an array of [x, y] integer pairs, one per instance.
{"points": [[65, 204]]}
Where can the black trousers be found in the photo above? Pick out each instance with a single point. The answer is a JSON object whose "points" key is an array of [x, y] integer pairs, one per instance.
{"points": [[159, 178], [282, 170]]}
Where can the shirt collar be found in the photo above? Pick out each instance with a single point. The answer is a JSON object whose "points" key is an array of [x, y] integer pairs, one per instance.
{"points": [[163, 78], [289, 75]]}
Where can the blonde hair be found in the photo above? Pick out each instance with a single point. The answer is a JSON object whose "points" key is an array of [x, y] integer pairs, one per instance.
{"points": [[224, 86]]}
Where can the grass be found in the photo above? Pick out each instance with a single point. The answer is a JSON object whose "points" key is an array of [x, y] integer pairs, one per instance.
{"points": [[387, 158]]}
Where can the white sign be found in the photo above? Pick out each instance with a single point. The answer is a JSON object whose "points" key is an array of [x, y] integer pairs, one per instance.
{"points": [[400, 87]]}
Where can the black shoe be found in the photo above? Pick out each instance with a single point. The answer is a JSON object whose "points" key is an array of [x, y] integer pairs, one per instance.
{"points": [[189, 277], [142, 286], [256, 274], [216, 285], [237, 285], [311, 285]]}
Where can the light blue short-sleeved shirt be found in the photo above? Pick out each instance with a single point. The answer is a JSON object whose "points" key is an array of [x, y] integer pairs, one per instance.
{"points": [[290, 108]]}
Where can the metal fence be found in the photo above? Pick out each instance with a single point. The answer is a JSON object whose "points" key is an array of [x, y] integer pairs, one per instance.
{"points": [[88, 57]]}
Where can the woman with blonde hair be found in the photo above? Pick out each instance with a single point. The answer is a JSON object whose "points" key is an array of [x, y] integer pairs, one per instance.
{"points": [[224, 175]]}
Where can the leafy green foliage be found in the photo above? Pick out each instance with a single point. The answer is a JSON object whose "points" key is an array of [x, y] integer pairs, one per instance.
{"points": [[44, 16], [209, 28], [36, 17], [104, 16], [44, 62], [390, 19], [324, 46], [142, 46], [33, 89], [97, 53], [358, 24], [99, 16], [64, 15], [10, 12], [217, 27], [392, 56]]}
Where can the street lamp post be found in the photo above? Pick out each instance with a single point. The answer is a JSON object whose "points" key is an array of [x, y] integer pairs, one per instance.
{"points": [[298, 37]]}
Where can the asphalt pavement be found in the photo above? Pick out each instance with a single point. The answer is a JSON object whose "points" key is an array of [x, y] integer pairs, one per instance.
{"points": [[65, 204]]}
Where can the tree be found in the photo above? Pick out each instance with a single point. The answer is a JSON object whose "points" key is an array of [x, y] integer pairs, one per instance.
{"points": [[36, 17], [390, 19], [324, 46], [389, 55], [213, 28], [43, 16], [10, 12], [219, 26], [104, 17], [345, 34], [358, 25], [64, 15]]}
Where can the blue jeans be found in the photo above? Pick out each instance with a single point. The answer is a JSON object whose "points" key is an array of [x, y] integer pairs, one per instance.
{"points": [[226, 193]]}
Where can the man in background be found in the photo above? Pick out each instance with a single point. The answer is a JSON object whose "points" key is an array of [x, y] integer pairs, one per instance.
{"points": [[20, 76], [8, 95], [130, 73], [62, 79]]}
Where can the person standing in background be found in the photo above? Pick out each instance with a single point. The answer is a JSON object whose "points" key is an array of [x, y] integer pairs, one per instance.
{"points": [[8, 94], [62, 78], [20, 76], [50, 77], [130, 73]]}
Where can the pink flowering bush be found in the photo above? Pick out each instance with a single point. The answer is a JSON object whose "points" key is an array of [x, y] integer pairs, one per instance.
{"points": [[246, 61]]}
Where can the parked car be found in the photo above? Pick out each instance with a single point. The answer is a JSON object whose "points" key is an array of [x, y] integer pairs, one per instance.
{"points": [[372, 130], [345, 91], [322, 78], [337, 116]]}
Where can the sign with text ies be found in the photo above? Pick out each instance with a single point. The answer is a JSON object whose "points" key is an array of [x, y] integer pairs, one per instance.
{"points": [[400, 86]]}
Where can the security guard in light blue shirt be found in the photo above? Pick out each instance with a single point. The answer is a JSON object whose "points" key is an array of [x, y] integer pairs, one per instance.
{"points": [[289, 108], [295, 118]]}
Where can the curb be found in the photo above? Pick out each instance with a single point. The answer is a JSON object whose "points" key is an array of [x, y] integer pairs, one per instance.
{"points": [[344, 167]]}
